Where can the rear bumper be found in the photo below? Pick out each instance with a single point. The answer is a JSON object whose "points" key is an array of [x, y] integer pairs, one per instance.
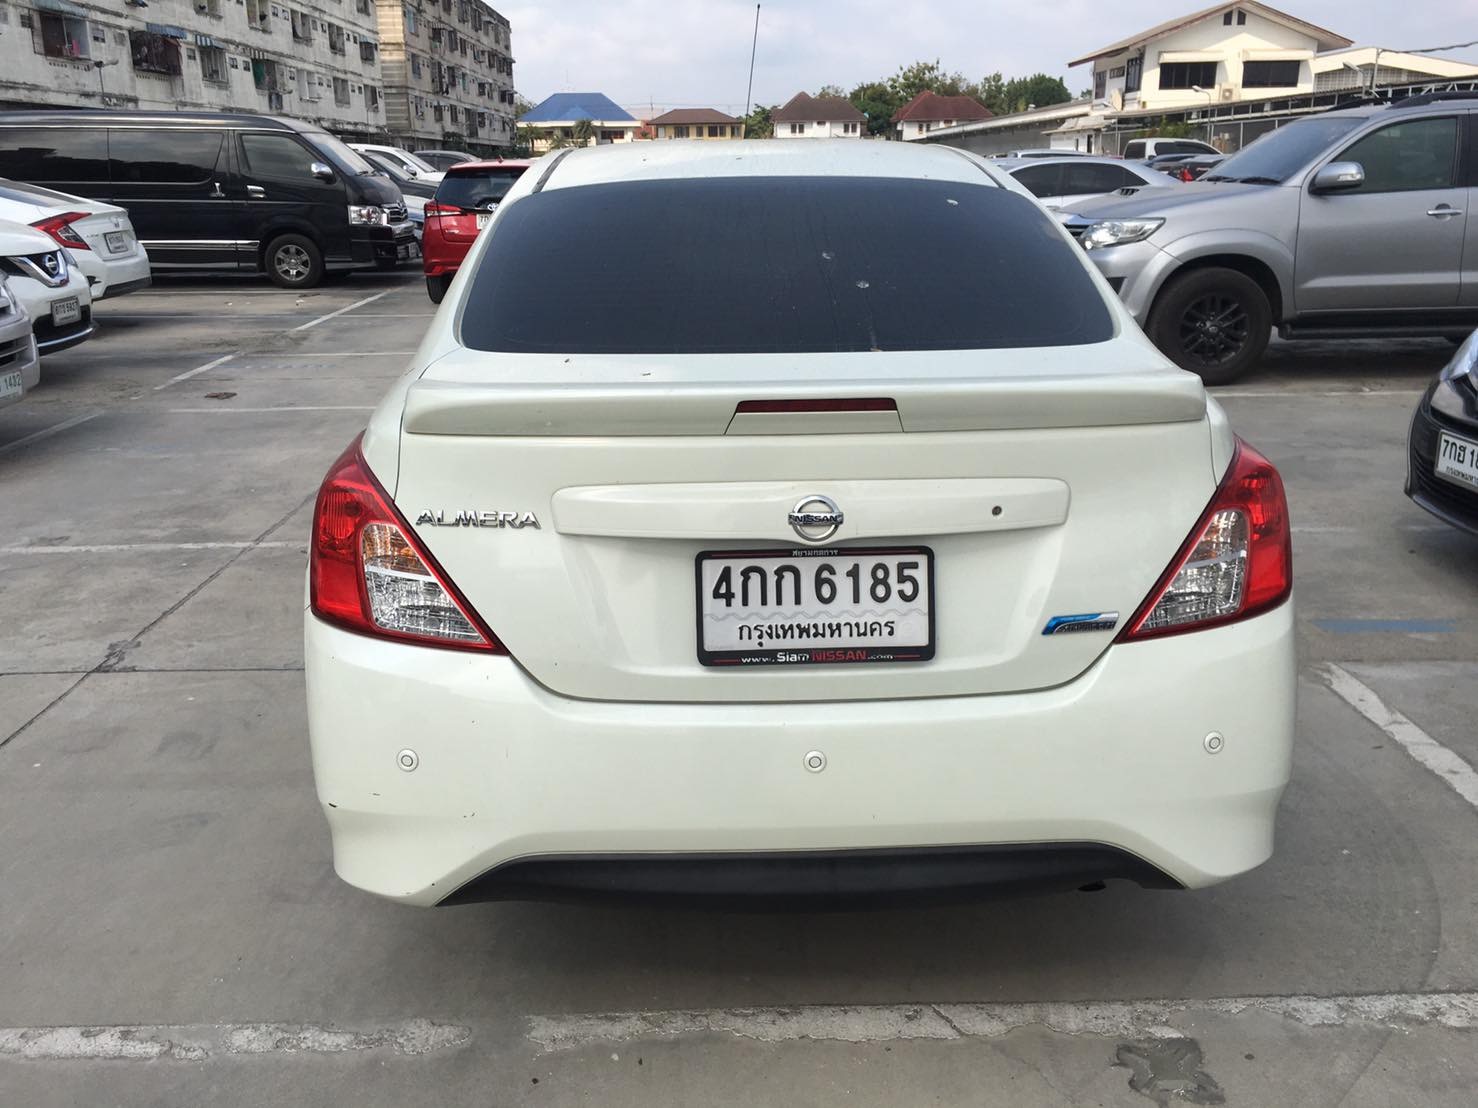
{"points": [[116, 277], [507, 771]]}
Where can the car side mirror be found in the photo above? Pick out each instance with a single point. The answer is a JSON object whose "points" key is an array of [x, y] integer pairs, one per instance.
{"points": [[322, 170], [1339, 177]]}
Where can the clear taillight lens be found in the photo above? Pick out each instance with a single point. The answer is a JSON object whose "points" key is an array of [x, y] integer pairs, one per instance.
{"points": [[368, 574], [1237, 562]]}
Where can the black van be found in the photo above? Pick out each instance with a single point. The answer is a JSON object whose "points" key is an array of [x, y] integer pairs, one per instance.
{"points": [[219, 191]]}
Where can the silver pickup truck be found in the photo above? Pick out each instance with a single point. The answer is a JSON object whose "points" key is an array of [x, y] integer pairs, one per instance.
{"points": [[1348, 224]]}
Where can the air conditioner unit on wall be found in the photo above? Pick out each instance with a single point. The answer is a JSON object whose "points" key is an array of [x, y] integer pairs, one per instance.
{"points": [[1228, 92]]}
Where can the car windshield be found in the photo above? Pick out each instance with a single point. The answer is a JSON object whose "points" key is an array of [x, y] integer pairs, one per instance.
{"points": [[953, 267], [1277, 155], [390, 166], [349, 160], [477, 188], [415, 162]]}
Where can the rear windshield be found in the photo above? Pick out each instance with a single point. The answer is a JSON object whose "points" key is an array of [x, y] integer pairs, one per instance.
{"points": [[476, 188], [778, 265]]}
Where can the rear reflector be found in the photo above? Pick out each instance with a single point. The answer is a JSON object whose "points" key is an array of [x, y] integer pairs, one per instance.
{"points": [[367, 573], [1237, 562], [864, 404]]}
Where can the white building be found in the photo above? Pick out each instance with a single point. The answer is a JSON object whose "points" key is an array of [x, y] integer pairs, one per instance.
{"points": [[806, 116], [561, 119], [316, 60]]}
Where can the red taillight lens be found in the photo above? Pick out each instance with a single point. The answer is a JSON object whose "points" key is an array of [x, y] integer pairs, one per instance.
{"points": [[367, 573], [433, 208], [60, 228], [1187, 175], [1238, 562]]}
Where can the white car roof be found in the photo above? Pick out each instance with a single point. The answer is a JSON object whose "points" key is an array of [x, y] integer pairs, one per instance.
{"points": [[763, 158], [15, 196]]}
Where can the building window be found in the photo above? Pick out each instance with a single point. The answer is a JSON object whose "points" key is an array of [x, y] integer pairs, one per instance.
{"points": [[1241, 19], [1187, 74], [366, 50], [61, 36], [211, 8], [213, 65], [259, 14], [715, 131], [734, 131], [341, 91], [335, 38], [1270, 74], [1226, 19], [1133, 74], [798, 128], [849, 128], [307, 85], [154, 53], [265, 75], [302, 26], [680, 131], [363, 7], [410, 20], [1100, 84], [415, 65]]}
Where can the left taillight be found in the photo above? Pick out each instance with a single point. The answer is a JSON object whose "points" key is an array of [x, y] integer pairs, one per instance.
{"points": [[60, 228], [367, 573], [1236, 563]]}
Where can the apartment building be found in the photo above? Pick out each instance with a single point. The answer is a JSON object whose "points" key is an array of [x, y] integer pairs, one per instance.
{"points": [[448, 67], [316, 60]]}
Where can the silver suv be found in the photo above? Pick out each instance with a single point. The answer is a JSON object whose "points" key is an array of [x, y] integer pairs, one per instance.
{"points": [[1347, 224]]}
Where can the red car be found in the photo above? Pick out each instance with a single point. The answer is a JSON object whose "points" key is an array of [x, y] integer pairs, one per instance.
{"points": [[464, 203]]}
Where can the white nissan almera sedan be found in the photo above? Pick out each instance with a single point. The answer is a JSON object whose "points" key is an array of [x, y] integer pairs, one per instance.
{"points": [[797, 520]]}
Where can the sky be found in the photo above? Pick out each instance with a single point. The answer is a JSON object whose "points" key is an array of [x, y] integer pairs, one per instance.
{"points": [[651, 55]]}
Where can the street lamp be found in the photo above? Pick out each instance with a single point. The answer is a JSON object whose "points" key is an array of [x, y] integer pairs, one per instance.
{"points": [[98, 64], [1210, 94]]}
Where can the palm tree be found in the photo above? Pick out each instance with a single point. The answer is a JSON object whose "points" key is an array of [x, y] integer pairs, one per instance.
{"points": [[584, 132]]}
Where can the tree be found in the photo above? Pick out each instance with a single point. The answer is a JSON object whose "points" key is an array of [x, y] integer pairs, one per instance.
{"points": [[832, 90], [992, 93], [757, 124], [1038, 90], [583, 132], [878, 102], [521, 105], [910, 80]]}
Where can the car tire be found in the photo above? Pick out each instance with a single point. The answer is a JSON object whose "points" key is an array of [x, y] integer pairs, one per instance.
{"points": [[436, 287], [294, 262], [1214, 322]]}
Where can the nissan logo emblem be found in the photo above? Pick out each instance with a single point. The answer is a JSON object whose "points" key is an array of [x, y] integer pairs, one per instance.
{"points": [[816, 518], [52, 265]]}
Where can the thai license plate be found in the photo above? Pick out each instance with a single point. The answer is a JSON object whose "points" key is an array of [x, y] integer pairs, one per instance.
{"points": [[10, 384], [815, 607], [1457, 459], [483, 219], [117, 243], [65, 311]]}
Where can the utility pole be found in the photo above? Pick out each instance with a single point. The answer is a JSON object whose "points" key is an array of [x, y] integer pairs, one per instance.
{"points": [[749, 92]]}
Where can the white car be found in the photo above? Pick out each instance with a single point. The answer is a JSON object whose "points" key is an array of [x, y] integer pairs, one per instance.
{"points": [[413, 165], [20, 365], [848, 557], [1064, 182], [53, 290], [99, 236]]}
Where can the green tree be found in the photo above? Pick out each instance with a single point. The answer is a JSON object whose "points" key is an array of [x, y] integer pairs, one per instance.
{"points": [[583, 132], [877, 101], [1038, 90], [832, 90], [521, 105], [910, 80], [992, 93], [757, 124]]}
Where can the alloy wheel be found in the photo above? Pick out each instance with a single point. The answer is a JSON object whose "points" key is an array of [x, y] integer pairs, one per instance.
{"points": [[1214, 329]]}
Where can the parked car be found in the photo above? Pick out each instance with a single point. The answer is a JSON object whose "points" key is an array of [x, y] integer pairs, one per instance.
{"points": [[1063, 182], [1042, 152], [720, 573], [1194, 168], [415, 191], [52, 290], [209, 191], [99, 236], [464, 204], [444, 159], [20, 364], [1142, 149], [413, 165], [1442, 446], [1348, 223]]}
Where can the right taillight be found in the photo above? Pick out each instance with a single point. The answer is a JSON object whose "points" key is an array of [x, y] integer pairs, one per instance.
{"points": [[1237, 562], [367, 573]]}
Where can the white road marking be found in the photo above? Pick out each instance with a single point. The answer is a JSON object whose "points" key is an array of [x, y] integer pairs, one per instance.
{"points": [[1445, 763], [197, 370], [152, 547], [46, 433], [1343, 529], [198, 1043], [228, 409], [341, 311], [337, 354], [1284, 393], [894, 1022]]}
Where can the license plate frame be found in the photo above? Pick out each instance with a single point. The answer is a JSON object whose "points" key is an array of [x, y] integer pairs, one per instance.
{"points": [[788, 649], [116, 241], [1457, 460], [11, 384], [65, 311]]}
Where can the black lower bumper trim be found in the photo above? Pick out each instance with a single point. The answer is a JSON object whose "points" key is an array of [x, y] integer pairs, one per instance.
{"points": [[811, 879]]}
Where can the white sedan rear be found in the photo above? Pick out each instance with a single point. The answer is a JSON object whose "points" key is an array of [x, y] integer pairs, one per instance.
{"points": [[728, 537], [99, 236]]}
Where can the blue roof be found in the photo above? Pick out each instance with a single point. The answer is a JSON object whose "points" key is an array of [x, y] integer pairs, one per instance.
{"points": [[575, 105]]}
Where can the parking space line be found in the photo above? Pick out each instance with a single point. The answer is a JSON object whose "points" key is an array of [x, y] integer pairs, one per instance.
{"points": [[1397, 626], [46, 433], [197, 1043], [341, 311], [1284, 393], [222, 360], [335, 354], [151, 547], [877, 1023], [1427, 751], [229, 410]]}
